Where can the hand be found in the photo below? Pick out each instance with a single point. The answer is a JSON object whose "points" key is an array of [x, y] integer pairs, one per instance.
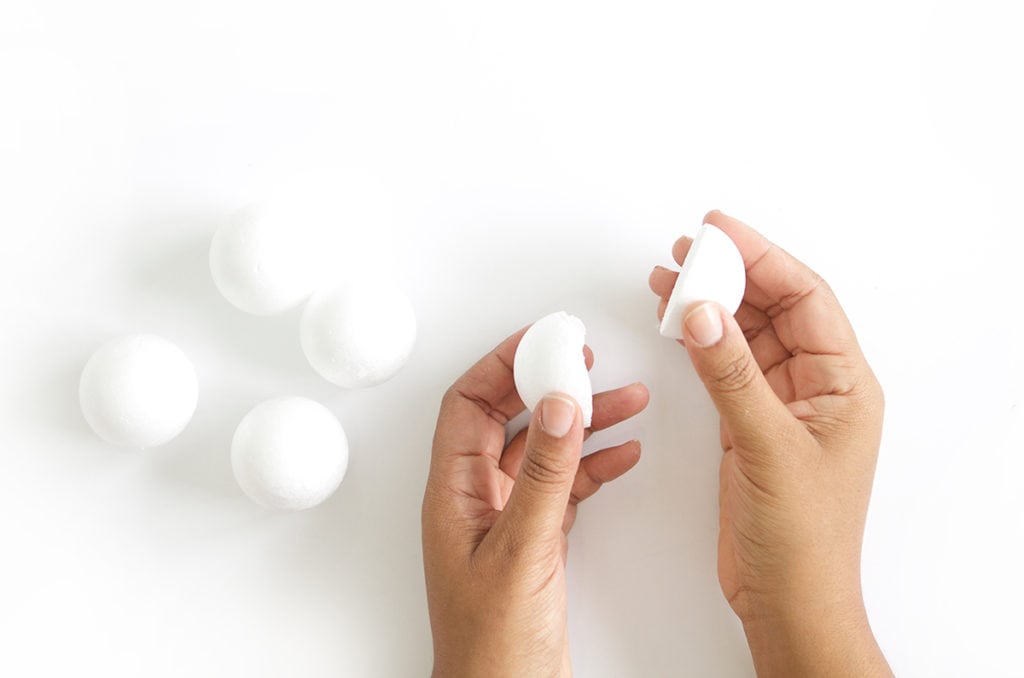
{"points": [[496, 518], [801, 421]]}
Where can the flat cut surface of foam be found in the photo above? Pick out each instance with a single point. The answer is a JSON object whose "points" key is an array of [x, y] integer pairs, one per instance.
{"points": [[712, 271]]}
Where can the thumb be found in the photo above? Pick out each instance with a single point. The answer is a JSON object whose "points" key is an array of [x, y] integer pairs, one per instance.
{"points": [[536, 507], [756, 419]]}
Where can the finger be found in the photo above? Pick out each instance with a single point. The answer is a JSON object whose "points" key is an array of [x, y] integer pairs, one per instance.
{"points": [[807, 315], [512, 457], [681, 248], [513, 454], [597, 469], [490, 385], [487, 387], [776, 274], [756, 419], [567, 522], [603, 467], [764, 343], [610, 408], [767, 349], [661, 281], [532, 517], [617, 405]]}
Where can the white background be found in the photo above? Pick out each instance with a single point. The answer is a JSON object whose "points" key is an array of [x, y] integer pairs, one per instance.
{"points": [[542, 156]]}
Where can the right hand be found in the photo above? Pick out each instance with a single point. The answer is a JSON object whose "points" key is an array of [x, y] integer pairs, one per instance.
{"points": [[801, 421]]}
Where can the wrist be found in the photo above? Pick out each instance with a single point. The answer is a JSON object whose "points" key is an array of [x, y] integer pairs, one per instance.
{"points": [[494, 659], [819, 635]]}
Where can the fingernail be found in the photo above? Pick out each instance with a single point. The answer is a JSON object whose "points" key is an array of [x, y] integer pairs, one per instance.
{"points": [[704, 325], [557, 415]]}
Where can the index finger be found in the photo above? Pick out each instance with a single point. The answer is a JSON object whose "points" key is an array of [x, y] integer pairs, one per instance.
{"points": [[490, 384], [804, 311], [471, 422]]}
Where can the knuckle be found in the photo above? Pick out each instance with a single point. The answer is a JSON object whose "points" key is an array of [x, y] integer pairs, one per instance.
{"points": [[869, 393], [736, 374], [546, 468], [451, 394], [877, 392], [824, 285]]}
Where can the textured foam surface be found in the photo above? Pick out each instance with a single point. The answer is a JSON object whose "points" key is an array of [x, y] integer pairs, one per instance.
{"points": [[359, 333], [138, 391], [289, 453], [264, 259], [550, 359]]}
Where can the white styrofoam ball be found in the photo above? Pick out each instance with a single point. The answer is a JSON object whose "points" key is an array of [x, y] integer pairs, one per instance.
{"points": [[270, 256], [712, 271], [359, 333], [289, 453], [550, 359], [138, 391], [260, 259]]}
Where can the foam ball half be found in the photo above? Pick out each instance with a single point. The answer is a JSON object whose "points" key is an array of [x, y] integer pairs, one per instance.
{"points": [[712, 271], [358, 334], [289, 453], [550, 359], [138, 391]]}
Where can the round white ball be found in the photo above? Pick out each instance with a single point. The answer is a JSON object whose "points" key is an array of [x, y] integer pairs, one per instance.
{"points": [[311, 228], [550, 359], [263, 259], [289, 453], [138, 391], [358, 334]]}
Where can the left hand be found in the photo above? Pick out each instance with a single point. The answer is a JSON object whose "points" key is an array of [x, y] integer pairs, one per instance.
{"points": [[496, 518]]}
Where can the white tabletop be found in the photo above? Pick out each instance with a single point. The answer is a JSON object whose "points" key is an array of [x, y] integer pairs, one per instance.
{"points": [[542, 156]]}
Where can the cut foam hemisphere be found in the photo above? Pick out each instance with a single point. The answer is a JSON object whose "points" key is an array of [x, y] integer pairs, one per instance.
{"points": [[289, 453], [712, 271], [138, 391], [359, 333], [550, 359]]}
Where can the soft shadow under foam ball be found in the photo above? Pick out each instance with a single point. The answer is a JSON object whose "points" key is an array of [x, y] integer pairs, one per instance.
{"points": [[358, 334], [138, 391], [289, 453]]}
